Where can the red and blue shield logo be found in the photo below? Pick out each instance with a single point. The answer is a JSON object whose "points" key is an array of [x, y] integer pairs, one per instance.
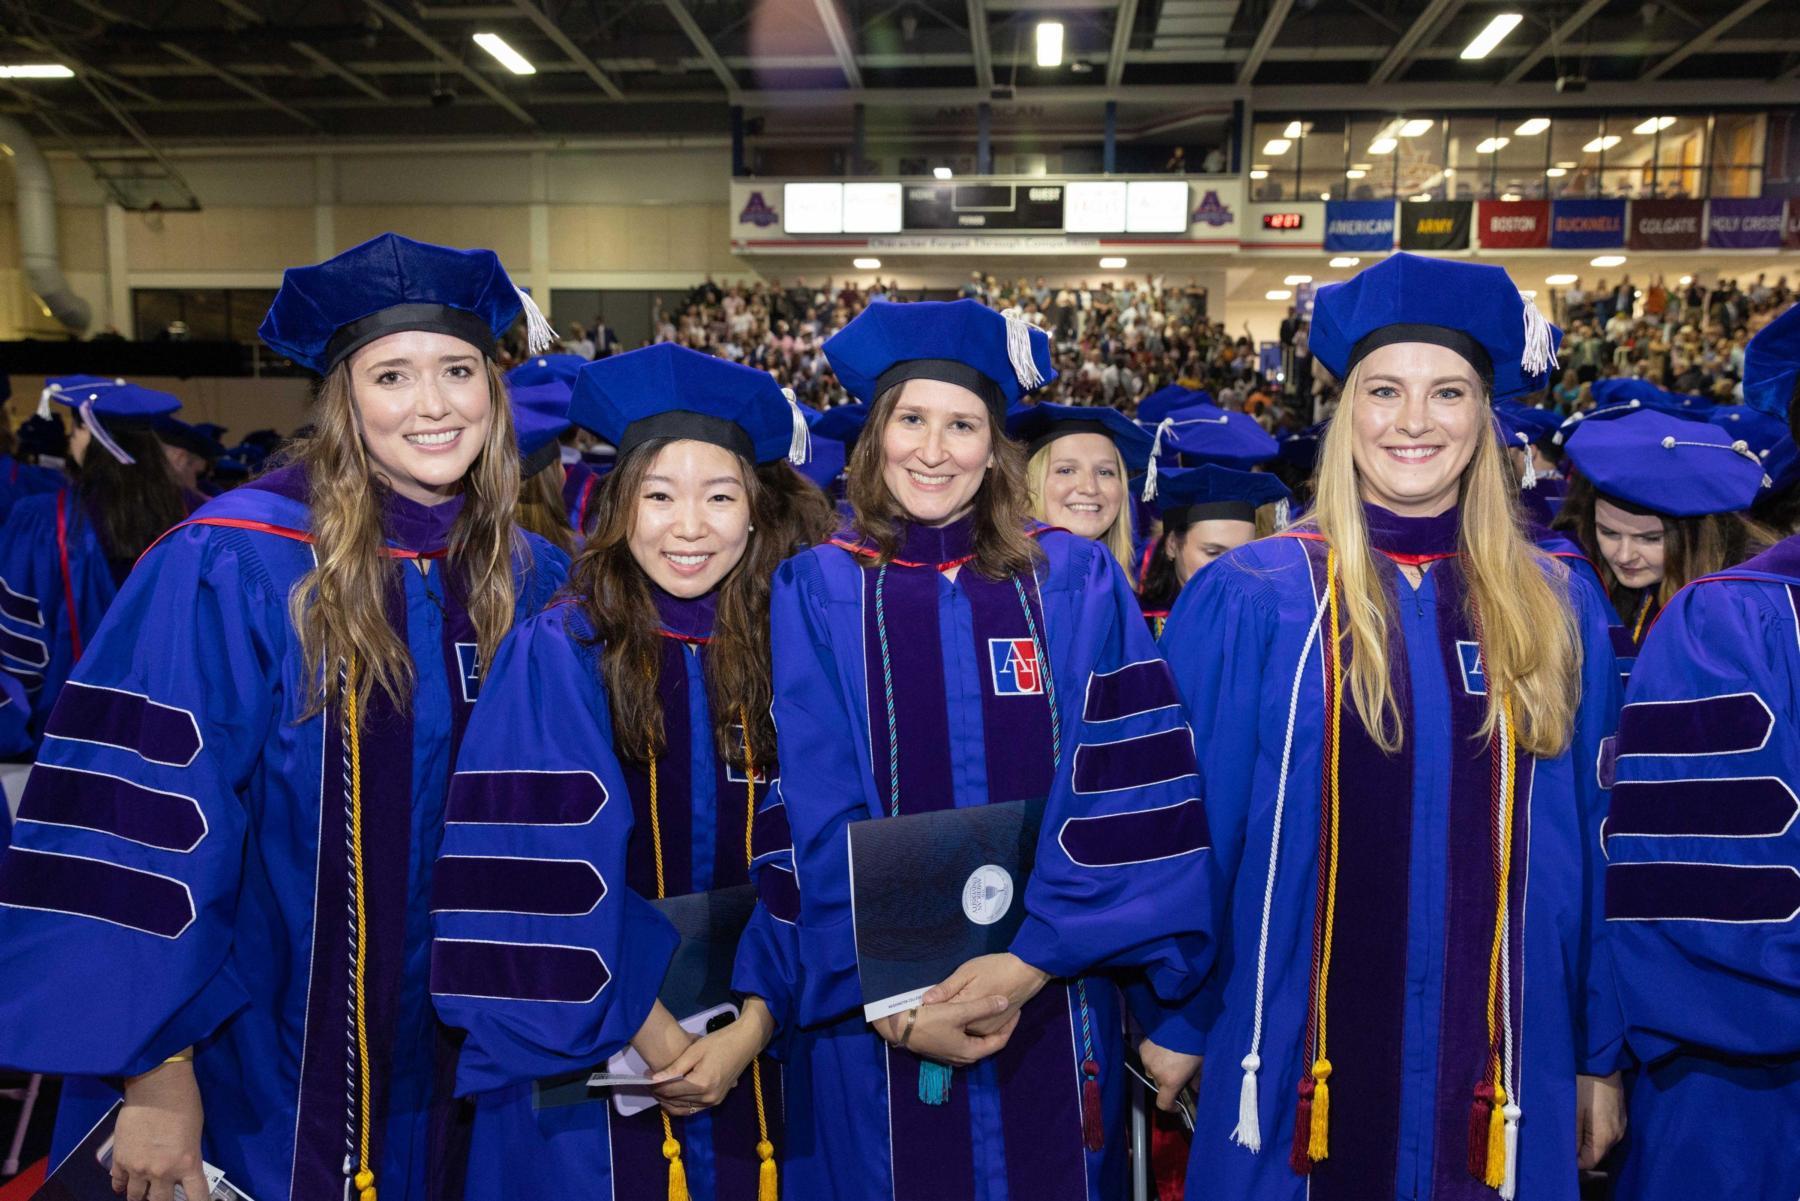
{"points": [[757, 212], [1014, 665]]}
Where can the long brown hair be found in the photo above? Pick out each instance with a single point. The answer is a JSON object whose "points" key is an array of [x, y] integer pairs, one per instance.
{"points": [[1530, 646], [615, 596], [339, 607], [542, 511], [1692, 546], [1003, 545], [132, 503]]}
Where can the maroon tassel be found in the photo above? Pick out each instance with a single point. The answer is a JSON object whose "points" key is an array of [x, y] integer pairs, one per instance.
{"points": [[1300, 1159], [1480, 1111], [1093, 1128]]}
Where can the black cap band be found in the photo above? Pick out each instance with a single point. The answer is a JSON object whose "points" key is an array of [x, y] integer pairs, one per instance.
{"points": [[680, 423], [1214, 510], [1437, 335], [537, 460], [432, 318], [949, 371], [1070, 425]]}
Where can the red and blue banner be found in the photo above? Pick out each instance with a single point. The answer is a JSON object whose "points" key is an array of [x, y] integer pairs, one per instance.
{"points": [[1587, 224]]}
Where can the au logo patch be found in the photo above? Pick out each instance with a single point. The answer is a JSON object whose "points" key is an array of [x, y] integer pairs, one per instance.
{"points": [[1013, 663], [1474, 676], [468, 665]]}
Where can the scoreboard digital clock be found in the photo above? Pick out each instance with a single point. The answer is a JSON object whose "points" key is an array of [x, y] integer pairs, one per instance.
{"points": [[1283, 220]]}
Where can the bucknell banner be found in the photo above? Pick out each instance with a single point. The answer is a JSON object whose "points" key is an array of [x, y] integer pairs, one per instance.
{"points": [[1666, 224], [1513, 224], [1435, 224], [1587, 224]]}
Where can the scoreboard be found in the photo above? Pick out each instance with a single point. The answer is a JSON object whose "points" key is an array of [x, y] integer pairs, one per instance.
{"points": [[1074, 206]]}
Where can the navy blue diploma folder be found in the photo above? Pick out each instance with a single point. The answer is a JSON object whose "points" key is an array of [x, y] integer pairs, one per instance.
{"points": [[930, 891], [710, 925]]}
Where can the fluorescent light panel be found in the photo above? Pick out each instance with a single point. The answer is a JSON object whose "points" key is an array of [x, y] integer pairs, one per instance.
{"points": [[1297, 279], [1278, 294], [1112, 264], [1608, 260], [942, 172], [1602, 143], [1652, 124], [1488, 38], [1533, 127], [1345, 260], [1276, 147], [1293, 130], [1382, 146], [36, 71], [1415, 127], [509, 58], [1559, 281], [1489, 145], [1049, 43], [1353, 173], [866, 264], [1259, 175], [1556, 172]]}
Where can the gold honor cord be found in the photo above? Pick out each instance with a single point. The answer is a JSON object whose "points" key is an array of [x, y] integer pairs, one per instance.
{"points": [[766, 1188], [365, 1174], [671, 1148]]}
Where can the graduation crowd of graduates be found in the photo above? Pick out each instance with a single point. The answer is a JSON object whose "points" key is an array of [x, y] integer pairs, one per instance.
{"points": [[1426, 774]]}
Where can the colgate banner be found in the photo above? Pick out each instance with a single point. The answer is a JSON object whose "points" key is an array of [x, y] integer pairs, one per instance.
{"points": [[1744, 224], [1514, 224], [1666, 224]]}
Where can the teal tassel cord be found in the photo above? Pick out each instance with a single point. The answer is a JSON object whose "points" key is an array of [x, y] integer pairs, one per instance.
{"points": [[934, 1082]]}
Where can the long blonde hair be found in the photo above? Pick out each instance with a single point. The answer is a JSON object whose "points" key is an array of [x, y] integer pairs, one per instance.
{"points": [[1118, 536], [1529, 641], [339, 607]]}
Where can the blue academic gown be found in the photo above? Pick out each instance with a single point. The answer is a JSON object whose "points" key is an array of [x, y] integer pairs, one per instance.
{"points": [[180, 871], [544, 717], [56, 583], [1406, 1014], [19, 480], [1703, 889], [975, 717]]}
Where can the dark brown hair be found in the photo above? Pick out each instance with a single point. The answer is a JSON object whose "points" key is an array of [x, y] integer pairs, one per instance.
{"points": [[541, 509], [132, 504], [615, 596], [1003, 543], [1692, 546]]}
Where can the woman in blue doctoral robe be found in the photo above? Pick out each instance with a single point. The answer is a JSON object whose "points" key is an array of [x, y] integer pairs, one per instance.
{"points": [[219, 881], [1703, 867], [64, 553], [1414, 975], [702, 475], [916, 670]]}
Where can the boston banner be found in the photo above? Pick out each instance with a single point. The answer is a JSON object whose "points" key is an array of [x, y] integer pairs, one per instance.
{"points": [[1435, 224], [1513, 224], [1666, 224], [1359, 225], [1744, 224], [1587, 224]]}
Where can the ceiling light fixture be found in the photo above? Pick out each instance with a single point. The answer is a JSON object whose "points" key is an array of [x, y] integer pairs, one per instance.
{"points": [[1278, 294], [1652, 124], [1559, 281], [1276, 147], [1603, 143], [1608, 260], [1112, 264], [1259, 174], [866, 264], [1297, 279], [1556, 172], [1415, 127], [36, 71], [509, 58], [1489, 145], [1382, 146], [1293, 130], [1353, 173], [942, 172], [1488, 38], [1345, 260], [1533, 127], [1049, 43]]}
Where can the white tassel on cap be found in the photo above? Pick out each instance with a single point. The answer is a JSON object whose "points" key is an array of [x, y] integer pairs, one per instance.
{"points": [[100, 435], [1540, 354], [1166, 424], [1282, 512], [800, 444], [1018, 349], [1530, 478], [44, 399], [539, 336]]}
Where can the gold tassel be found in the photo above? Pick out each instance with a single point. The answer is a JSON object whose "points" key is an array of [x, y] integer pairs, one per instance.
{"points": [[1318, 1143], [766, 1189], [1496, 1151], [365, 1185], [678, 1188]]}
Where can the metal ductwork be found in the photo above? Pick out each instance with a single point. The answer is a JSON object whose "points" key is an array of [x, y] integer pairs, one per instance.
{"points": [[35, 204]]}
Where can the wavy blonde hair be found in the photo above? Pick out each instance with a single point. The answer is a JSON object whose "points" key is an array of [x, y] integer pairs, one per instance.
{"points": [[1118, 536], [339, 607], [1517, 596]]}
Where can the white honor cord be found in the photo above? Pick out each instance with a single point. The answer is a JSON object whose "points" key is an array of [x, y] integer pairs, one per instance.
{"points": [[800, 441], [1249, 1128], [1162, 427]]}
